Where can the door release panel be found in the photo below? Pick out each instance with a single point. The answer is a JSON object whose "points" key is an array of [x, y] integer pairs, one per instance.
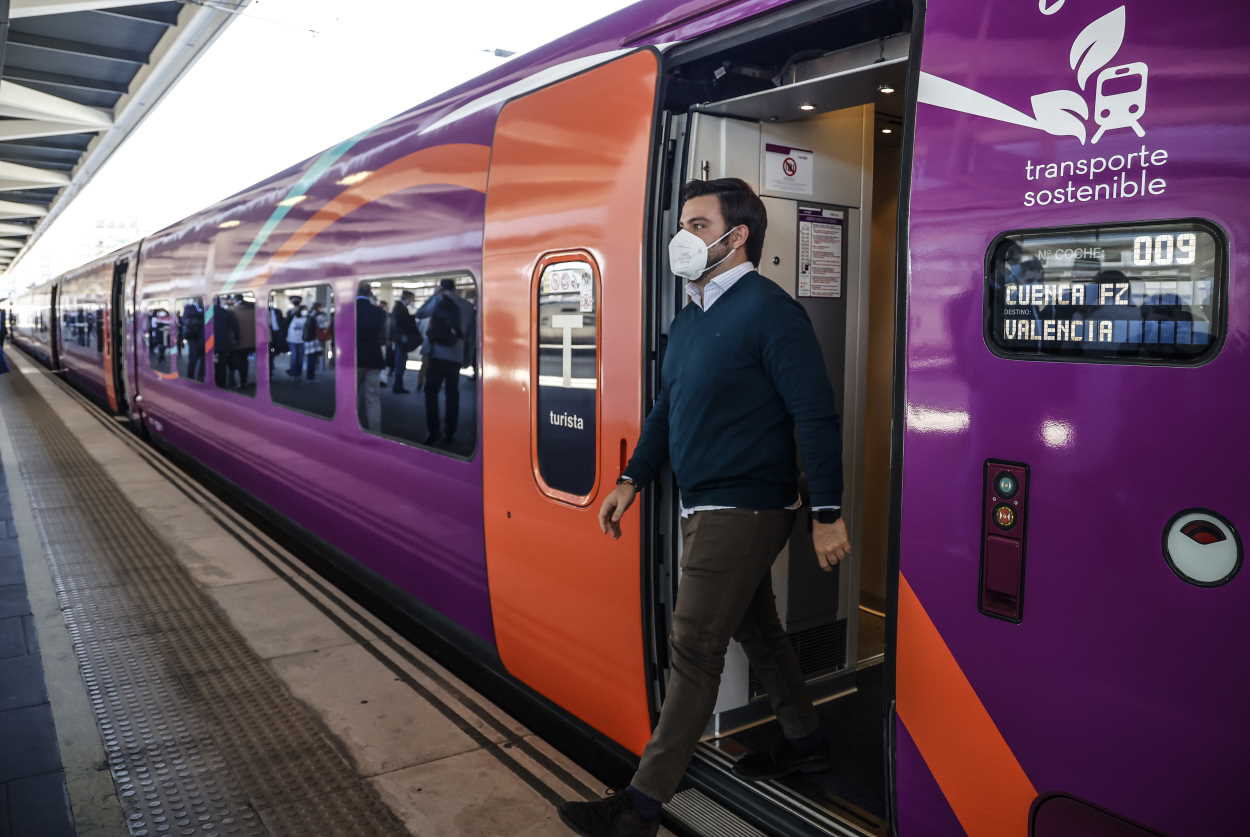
{"points": [[1005, 495], [1202, 547]]}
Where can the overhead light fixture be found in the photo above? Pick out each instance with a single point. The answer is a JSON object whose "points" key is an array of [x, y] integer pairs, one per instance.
{"points": [[291, 201], [885, 88], [887, 130], [353, 179], [229, 225], [806, 106]]}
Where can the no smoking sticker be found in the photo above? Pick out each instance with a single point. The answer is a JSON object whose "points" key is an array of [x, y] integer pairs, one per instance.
{"points": [[788, 169]]}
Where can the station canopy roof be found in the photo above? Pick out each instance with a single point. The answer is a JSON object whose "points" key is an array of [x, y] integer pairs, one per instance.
{"points": [[78, 77]]}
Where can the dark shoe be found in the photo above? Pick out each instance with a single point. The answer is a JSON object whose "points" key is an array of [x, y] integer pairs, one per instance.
{"points": [[401, 391], [431, 440], [611, 817], [782, 760]]}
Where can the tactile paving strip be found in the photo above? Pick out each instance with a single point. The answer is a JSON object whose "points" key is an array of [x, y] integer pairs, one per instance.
{"points": [[201, 738]]}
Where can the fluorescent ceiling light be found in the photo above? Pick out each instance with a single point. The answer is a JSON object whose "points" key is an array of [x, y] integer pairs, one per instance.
{"points": [[229, 225], [291, 201]]}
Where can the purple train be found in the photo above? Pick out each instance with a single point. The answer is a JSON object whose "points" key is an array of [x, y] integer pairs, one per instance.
{"points": [[1017, 227]]}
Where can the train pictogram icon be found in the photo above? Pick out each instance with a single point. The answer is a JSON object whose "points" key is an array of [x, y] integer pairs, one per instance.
{"points": [[1120, 99]]}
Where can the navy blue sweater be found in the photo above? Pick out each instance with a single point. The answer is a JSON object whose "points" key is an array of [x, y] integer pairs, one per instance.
{"points": [[738, 380]]}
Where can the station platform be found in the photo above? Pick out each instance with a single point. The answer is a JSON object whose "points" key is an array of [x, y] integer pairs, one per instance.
{"points": [[168, 669]]}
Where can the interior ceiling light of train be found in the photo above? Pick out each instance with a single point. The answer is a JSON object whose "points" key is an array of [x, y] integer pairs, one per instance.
{"points": [[77, 78]]}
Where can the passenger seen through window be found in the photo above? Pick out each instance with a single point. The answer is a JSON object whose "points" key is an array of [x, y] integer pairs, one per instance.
{"points": [[190, 328], [302, 349], [234, 342], [428, 381], [158, 333]]}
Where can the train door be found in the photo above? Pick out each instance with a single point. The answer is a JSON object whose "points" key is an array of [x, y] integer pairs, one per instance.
{"points": [[53, 313], [114, 341], [822, 150], [562, 388], [1070, 606], [131, 340]]}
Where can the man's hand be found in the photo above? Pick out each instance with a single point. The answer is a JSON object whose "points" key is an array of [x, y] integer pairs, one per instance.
{"points": [[831, 542], [615, 506]]}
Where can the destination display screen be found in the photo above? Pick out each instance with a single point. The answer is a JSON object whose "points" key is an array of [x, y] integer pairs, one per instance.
{"points": [[1145, 293]]}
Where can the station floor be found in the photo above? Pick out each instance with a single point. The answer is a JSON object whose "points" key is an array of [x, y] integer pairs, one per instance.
{"points": [[167, 669]]}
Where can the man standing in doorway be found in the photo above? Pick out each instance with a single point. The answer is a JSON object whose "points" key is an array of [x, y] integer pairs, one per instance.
{"points": [[742, 377]]}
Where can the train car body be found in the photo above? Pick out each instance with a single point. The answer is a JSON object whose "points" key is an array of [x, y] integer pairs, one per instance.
{"points": [[32, 322], [1029, 308], [89, 338]]}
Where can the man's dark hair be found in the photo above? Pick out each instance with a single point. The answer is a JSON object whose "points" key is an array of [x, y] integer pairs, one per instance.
{"points": [[447, 284], [740, 206]]}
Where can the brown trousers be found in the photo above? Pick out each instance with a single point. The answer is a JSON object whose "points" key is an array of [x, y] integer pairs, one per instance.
{"points": [[725, 592]]}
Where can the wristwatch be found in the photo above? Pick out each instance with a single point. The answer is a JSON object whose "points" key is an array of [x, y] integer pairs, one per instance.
{"points": [[622, 479], [827, 516]]}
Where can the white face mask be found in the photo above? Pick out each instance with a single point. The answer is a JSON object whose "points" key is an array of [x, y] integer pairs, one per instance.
{"points": [[687, 254]]}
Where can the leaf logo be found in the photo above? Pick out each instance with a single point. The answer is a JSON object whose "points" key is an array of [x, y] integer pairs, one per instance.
{"points": [[1097, 44], [1119, 91], [1062, 113]]}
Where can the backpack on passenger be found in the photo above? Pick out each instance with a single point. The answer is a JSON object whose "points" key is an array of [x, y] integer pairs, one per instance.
{"points": [[444, 327]]}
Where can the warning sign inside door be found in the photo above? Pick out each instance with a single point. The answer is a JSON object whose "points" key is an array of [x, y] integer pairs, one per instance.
{"points": [[821, 235], [787, 169]]}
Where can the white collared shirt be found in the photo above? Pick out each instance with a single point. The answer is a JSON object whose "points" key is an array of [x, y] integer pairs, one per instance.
{"points": [[715, 288]]}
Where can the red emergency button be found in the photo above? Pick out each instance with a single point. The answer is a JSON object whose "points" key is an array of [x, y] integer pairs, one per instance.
{"points": [[1004, 516]]}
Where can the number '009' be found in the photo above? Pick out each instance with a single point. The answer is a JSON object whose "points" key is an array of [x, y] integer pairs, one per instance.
{"points": [[1163, 250]]}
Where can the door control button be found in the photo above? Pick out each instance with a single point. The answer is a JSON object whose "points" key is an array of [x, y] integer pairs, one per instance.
{"points": [[1004, 516], [1006, 485]]}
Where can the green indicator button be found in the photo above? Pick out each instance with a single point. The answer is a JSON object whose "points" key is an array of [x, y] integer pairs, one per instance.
{"points": [[1006, 485]]}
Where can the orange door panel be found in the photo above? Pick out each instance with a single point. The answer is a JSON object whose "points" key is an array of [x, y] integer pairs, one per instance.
{"points": [[568, 176]]}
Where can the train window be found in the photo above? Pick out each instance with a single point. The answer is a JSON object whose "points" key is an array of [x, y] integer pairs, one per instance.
{"points": [[159, 330], [234, 342], [82, 328], [189, 316], [1125, 293], [567, 383], [302, 349], [426, 390]]}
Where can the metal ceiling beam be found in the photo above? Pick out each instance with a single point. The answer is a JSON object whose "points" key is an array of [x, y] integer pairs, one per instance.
{"points": [[69, 82], [49, 152], [13, 209], [34, 8], [11, 244], [15, 229], [27, 160], [21, 102], [14, 177], [20, 129], [124, 56], [139, 15]]}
